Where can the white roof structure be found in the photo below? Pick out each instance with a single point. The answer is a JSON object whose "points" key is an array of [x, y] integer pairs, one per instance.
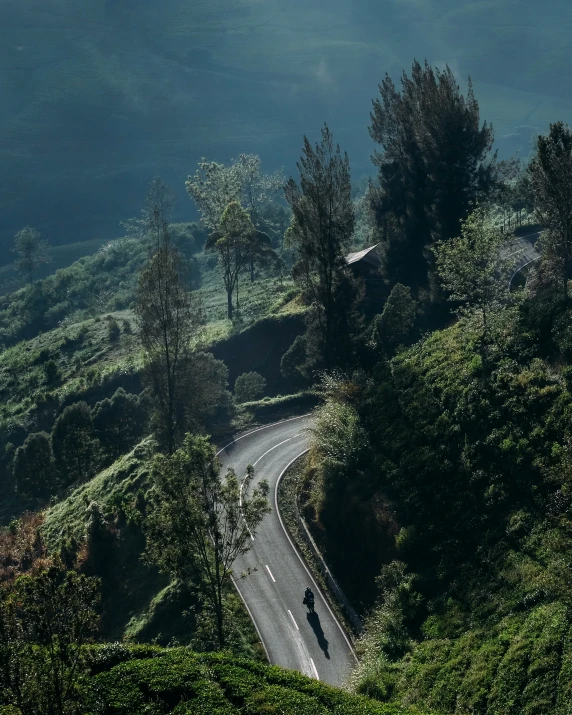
{"points": [[368, 255]]}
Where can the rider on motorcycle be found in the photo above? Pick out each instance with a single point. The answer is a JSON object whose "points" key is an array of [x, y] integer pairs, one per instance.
{"points": [[308, 597]]}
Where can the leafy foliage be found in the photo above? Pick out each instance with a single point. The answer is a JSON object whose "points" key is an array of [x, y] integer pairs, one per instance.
{"points": [[235, 242], [473, 270], [34, 466], [322, 226], [432, 165], [551, 176], [200, 522], [177, 680], [474, 607], [119, 422], [395, 324], [75, 447], [45, 620], [249, 386]]}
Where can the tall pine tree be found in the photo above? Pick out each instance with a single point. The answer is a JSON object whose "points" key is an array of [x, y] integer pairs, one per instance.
{"points": [[434, 163], [322, 226]]}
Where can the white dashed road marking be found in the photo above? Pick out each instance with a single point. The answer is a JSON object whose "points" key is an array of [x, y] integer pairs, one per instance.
{"points": [[293, 621]]}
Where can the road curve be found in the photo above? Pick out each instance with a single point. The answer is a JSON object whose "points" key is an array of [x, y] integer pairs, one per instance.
{"points": [[522, 250], [271, 577]]}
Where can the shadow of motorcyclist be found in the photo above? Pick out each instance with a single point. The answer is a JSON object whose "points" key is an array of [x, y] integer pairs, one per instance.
{"points": [[314, 621]]}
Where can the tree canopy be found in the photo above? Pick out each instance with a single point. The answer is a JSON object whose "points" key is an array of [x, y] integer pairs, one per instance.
{"points": [[551, 174], [321, 230], [434, 163], [200, 520]]}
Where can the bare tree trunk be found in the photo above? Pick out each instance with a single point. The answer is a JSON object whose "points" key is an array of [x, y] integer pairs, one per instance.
{"points": [[229, 304], [219, 610]]}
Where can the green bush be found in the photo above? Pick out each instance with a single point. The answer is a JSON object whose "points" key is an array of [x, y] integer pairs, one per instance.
{"points": [[113, 330], [249, 386], [34, 467], [51, 372]]}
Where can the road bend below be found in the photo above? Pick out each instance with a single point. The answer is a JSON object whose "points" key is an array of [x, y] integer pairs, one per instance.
{"points": [[272, 578]]}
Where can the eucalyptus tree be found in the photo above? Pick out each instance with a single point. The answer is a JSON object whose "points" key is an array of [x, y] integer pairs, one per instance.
{"points": [[236, 242], [200, 520], [258, 192], [214, 186]]}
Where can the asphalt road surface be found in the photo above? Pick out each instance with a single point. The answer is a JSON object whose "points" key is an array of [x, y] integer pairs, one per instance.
{"points": [[276, 579], [523, 252]]}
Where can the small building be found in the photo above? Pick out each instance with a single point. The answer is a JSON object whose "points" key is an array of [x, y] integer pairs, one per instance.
{"points": [[366, 263]]}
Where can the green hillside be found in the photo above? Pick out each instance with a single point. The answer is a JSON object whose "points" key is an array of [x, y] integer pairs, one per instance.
{"points": [[72, 337], [439, 490]]}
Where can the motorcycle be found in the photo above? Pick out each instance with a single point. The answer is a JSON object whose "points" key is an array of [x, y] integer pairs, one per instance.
{"points": [[309, 601]]}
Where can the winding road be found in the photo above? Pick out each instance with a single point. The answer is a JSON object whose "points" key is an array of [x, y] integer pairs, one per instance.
{"points": [[523, 251], [271, 577]]}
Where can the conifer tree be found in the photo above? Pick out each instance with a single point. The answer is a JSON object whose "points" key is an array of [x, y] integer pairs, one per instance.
{"points": [[168, 317], [322, 226], [551, 174], [432, 166]]}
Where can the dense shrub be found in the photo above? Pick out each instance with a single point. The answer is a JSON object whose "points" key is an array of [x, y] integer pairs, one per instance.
{"points": [[395, 324], [249, 386], [113, 330], [34, 467], [76, 449], [51, 371], [118, 423], [218, 684], [472, 462]]}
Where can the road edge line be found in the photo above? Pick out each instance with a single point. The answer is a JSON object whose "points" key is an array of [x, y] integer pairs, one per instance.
{"points": [[324, 599], [251, 618]]}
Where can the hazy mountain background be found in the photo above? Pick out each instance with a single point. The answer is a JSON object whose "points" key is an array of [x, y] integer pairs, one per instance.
{"points": [[99, 96]]}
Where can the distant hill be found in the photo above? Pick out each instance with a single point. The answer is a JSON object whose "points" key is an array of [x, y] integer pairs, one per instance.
{"points": [[98, 96]]}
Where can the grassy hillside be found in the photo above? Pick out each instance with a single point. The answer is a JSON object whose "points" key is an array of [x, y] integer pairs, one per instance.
{"points": [[439, 490], [107, 281], [99, 97], [72, 336], [139, 603]]}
